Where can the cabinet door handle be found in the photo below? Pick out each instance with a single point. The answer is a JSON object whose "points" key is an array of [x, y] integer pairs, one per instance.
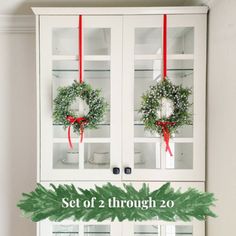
{"points": [[116, 170], [128, 170]]}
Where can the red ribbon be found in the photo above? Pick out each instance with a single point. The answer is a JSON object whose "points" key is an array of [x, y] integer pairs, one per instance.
{"points": [[164, 46], [166, 133], [80, 48], [164, 124], [81, 121]]}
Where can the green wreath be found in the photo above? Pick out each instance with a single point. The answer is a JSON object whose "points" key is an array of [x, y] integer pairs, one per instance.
{"points": [[151, 106], [68, 95]]}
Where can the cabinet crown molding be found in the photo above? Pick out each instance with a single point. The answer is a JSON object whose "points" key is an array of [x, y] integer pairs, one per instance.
{"points": [[119, 10], [17, 24]]}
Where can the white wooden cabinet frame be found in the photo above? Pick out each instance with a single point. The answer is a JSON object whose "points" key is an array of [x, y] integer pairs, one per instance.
{"points": [[121, 60], [122, 23]]}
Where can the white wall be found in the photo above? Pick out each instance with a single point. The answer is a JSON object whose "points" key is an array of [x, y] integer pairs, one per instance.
{"points": [[17, 130], [221, 113]]}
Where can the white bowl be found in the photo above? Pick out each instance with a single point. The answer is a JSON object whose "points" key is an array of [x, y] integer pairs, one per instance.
{"points": [[100, 158], [71, 158]]}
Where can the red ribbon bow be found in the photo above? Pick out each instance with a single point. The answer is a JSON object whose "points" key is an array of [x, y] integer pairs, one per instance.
{"points": [[166, 133], [81, 121]]}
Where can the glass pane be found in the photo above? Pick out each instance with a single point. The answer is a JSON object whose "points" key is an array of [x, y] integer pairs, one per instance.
{"points": [[65, 41], [182, 156], [148, 40], [96, 41], [140, 131], [101, 230], [146, 230], [64, 157], [65, 230], [145, 74], [180, 40], [97, 156], [181, 72], [180, 230], [146, 155], [103, 131], [96, 73]]}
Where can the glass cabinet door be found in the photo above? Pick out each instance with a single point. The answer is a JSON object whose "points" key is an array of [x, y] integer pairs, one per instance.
{"points": [[143, 151], [100, 151], [147, 228], [71, 228], [164, 229]]}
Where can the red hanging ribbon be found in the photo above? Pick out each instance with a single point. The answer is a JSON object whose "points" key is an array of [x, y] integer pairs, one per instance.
{"points": [[166, 133], [164, 124], [82, 122], [80, 48], [164, 46]]}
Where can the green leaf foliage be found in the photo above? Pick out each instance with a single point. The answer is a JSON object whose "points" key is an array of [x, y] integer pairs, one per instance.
{"points": [[151, 103], [68, 94], [45, 203]]}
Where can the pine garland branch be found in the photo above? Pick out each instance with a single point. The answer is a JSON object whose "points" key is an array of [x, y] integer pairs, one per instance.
{"points": [[45, 203]]}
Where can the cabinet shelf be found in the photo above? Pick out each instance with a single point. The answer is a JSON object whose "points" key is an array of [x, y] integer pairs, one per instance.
{"points": [[87, 165], [136, 70], [158, 139], [136, 140], [86, 58], [85, 140], [137, 57], [104, 73], [136, 123], [101, 124], [65, 232], [159, 57]]}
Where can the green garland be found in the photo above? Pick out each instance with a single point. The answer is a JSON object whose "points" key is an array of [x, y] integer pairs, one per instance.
{"points": [[151, 103], [67, 95], [47, 203]]}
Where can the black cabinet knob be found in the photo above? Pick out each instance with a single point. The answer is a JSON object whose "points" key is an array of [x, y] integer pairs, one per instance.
{"points": [[116, 170], [128, 170]]}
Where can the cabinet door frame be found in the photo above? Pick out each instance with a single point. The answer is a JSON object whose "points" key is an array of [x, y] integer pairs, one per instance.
{"points": [[47, 23], [124, 228], [197, 21], [197, 226], [45, 227]]}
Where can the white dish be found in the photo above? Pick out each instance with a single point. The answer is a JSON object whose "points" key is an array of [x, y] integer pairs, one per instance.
{"points": [[91, 161], [65, 161], [99, 158]]}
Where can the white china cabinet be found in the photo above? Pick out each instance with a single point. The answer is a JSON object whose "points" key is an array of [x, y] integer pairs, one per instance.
{"points": [[122, 56]]}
